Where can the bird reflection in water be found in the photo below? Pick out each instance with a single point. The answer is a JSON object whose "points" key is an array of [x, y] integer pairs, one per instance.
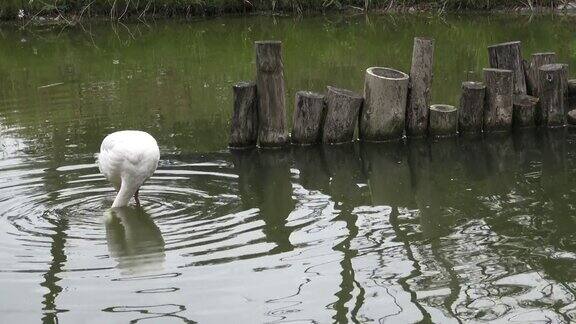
{"points": [[134, 240]]}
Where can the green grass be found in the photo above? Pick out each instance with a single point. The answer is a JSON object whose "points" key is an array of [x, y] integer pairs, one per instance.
{"points": [[129, 8]]}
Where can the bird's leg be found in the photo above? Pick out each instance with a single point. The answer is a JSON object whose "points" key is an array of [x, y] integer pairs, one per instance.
{"points": [[136, 198]]}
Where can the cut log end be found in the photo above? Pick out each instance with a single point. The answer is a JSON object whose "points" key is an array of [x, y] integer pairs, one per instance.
{"points": [[496, 70], [505, 44], [473, 85], [387, 73], [343, 93]]}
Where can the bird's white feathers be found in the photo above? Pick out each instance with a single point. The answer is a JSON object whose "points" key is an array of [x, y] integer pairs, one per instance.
{"points": [[127, 159]]}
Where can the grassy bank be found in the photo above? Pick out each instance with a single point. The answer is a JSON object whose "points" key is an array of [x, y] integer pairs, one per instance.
{"points": [[115, 9]]}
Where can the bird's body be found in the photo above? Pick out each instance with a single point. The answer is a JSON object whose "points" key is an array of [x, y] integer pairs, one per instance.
{"points": [[127, 159]]}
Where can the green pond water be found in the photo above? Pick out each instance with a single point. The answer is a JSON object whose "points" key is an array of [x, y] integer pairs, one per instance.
{"points": [[447, 231]]}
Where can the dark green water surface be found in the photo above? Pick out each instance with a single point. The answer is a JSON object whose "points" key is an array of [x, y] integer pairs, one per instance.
{"points": [[448, 231]]}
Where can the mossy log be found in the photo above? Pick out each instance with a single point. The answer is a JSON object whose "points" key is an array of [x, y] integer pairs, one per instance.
{"points": [[498, 102], [308, 112], [443, 120], [508, 56], [471, 109], [270, 87], [524, 111], [421, 73], [244, 126], [383, 115], [551, 87], [342, 109]]}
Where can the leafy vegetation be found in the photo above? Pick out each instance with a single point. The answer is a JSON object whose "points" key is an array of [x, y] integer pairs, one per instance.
{"points": [[118, 9]]}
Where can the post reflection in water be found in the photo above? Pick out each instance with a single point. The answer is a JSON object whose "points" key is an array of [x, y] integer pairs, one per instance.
{"points": [[345, 169], [134, 240], [264, 183]]}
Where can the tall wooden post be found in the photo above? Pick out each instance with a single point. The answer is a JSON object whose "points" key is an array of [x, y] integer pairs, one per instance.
{"points": [[508, 56], [551, 112], [383, 116], [244, 128], [498, 103], [271, 101], [421, 74]]}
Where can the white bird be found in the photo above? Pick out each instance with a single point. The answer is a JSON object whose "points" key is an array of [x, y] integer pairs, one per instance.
{"points": [[127, 159]]}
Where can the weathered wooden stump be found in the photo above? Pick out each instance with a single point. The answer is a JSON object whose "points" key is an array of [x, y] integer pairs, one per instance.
{"points": [[498, 102], [244, 127], [307, 123], [524, 111], [508, 56], [536, 61], [471, 107], [571, 95], [421, 74], [342, 109], [384, 111], [572, 117], [551, 87], [270, 87], [443, 120]]}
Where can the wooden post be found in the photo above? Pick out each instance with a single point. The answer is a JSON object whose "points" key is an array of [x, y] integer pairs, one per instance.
{"points": [[271, 101], [471, 107], [551, 112], [244, 128], [443, 120], [524, 111], [498, 101], [537, 60], [384, 111], [508, 56], [421, 74], [342, 108], [308, 112]]}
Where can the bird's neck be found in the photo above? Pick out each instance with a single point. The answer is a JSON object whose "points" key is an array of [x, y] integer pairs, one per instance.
{"points": [[127, 190]]}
